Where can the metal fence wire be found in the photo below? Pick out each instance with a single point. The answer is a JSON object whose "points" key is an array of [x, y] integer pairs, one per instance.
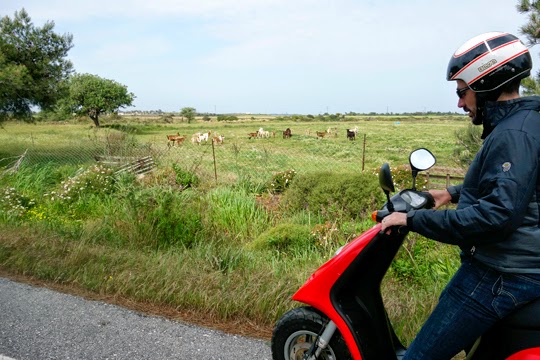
{"points": [[223, 163], [228, 162]]}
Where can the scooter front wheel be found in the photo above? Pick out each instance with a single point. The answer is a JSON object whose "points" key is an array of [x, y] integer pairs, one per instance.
{"points": [[297, 330]]}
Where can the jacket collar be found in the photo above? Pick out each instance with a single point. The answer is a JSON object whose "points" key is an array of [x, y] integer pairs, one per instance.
{"points": [[497, 111]]}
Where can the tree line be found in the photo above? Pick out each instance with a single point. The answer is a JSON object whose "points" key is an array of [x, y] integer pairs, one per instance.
{"points": [[35, 73]]}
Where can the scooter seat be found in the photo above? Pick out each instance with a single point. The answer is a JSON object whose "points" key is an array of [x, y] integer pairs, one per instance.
{"points": [[527, 317]]}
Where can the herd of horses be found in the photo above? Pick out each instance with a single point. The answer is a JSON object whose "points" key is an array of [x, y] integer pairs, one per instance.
{"points": [[199, 138]]}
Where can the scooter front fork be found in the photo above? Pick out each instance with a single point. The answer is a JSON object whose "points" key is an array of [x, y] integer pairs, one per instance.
{"points": [[323, 340]]}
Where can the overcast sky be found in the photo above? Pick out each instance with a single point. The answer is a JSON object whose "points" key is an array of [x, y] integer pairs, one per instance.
{"points": [[275, 56]]}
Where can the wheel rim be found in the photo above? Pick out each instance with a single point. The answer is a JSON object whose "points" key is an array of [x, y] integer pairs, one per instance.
{"points": [[299, 343]]}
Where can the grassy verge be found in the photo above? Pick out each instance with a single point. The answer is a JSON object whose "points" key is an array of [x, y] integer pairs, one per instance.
{"points": [[232, 252]]}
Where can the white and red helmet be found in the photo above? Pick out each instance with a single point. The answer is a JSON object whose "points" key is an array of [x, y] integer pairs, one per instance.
{"points": [[490, 60]]}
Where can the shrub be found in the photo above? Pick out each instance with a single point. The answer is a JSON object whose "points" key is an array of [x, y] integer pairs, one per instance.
{"points": [[185, 178], [420, 259], [326, 235], [402, 178], [281, 181], [284, 237], [468, 143], [174, 222], [95, 180], [335, 195], [13, 203], [166, 118], [151, 218], [227, 118], [234, 214]]}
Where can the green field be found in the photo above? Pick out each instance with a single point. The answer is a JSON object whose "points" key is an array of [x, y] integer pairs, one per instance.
{"points": [[223, 250], [379, 140]]}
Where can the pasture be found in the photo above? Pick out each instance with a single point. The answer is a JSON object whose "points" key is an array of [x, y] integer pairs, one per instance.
{"points": [[379, 140]]}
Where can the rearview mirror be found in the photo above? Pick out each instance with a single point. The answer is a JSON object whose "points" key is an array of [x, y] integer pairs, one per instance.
{"points": [[387, 184], [385, 178], [421, 159]]}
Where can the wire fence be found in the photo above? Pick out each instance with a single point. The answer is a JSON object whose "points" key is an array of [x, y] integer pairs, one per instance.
{"points": [[227, 162]]}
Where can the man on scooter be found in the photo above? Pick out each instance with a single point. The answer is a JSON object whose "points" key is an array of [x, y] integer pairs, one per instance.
{"points": [[497, 219]]}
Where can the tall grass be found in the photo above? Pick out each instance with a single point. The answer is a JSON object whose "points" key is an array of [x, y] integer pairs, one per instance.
{"points": [[198, 248]]}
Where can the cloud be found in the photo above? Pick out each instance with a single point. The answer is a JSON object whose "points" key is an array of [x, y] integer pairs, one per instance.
{"points": [[306, 54]]}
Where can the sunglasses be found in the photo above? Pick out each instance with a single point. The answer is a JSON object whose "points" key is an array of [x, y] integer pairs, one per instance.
{"points": [[461, 92]]}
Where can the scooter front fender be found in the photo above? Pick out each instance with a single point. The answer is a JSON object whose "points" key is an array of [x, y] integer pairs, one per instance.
{"points": [[527, 354], [317, 289]]}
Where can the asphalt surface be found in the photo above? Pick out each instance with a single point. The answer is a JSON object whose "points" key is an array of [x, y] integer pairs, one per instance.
{"points": [[38, 323]]}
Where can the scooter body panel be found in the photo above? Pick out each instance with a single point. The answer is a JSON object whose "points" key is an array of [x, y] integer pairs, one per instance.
{"points": [[528, 354], [317, 289]]}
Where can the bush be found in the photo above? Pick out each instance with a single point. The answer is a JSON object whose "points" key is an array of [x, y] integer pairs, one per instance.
{"points": [[284, 237], [185, 178], [402, 178], [281, 181], [468, 143], [96, 180], [420, 259], [13, 203], [175, 220], [233, 214], [227, 118], [151, 218], [335, 195]]}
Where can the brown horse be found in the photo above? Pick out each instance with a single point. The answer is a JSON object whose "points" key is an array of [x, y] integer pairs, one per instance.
{"points": [[287, 133]]}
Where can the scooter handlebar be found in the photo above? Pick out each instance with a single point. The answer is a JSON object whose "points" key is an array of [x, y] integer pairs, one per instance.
{"points": [[405, 201]]}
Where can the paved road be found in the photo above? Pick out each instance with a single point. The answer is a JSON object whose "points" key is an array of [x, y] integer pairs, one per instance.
{"points": [[38, 324]]}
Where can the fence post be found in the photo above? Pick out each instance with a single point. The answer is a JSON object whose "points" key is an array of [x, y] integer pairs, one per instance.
{"points": [[364, 153], [214, 157]]}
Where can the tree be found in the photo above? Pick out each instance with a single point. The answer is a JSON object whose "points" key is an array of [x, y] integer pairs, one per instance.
{"points": [[530, 86], [531, 30], [91, 95], [188, 113], [33, 66]]}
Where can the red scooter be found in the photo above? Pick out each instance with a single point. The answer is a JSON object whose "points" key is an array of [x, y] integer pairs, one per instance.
{"points": [[346, 317]]}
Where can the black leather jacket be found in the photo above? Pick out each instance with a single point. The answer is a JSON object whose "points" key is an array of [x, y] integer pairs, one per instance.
{"points": [[497, 219]]}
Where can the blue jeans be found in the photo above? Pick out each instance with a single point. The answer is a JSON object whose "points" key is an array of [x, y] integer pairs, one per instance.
{"points": [[475, 299]]}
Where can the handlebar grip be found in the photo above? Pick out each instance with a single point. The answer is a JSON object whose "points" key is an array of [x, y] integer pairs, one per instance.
{"points": [[403, 229], [430, 201]]}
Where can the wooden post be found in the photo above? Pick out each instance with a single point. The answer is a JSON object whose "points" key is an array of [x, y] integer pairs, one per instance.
{"points": [[364, 153], [214, 156]]}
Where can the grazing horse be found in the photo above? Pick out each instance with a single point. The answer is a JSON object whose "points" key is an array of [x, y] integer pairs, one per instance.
{"points": [[321, 134], [218, 139], [287, 133], [180, 139], [172, 139], [351, 134]]}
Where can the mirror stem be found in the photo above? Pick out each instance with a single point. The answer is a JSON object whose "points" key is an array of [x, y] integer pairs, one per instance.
{"points": [[414, 174], [389, 204]]}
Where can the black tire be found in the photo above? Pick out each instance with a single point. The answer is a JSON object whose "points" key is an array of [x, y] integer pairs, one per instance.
{"points": [[295, 332]]}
